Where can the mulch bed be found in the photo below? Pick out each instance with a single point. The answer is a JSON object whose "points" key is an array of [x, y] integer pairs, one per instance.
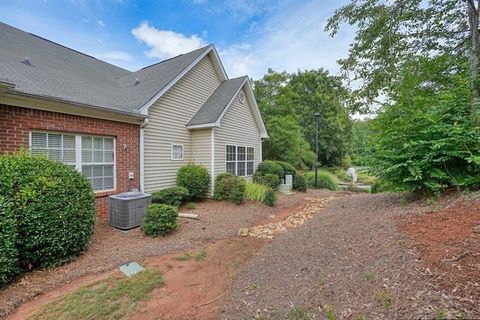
{"points": [[111, 248], [360, 256]]}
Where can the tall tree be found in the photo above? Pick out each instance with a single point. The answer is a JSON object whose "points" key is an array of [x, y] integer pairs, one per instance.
{"points": [[390, 33]]}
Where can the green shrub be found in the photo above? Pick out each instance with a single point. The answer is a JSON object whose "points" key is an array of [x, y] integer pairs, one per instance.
{"points": [[53, 206], [325, 179], [159, 220], [229, 187], [173, 196], [270, 198], [255, 191], [8, 239], [287, 168], [299, 183], [195, 179], [270, 167], [270, 180]]}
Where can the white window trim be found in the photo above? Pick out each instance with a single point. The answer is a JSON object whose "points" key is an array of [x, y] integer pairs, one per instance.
{"points": [[236, 159], [171, 151], [78, 153]]}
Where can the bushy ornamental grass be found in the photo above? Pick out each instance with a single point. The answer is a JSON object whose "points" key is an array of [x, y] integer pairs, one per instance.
{"points": [[195, 179], [255, 191], [325, 179], [159, 220], [53, 207], [173, 196], [229, 187]]}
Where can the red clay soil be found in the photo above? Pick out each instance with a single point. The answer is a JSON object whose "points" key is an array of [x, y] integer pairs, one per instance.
{"points": [[448, 242]]}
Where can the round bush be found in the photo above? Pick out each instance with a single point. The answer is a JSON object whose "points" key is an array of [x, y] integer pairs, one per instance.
{"points": [[195, 179], [270, 198], [299, 183], [270, 167], [229, 187], [287, 168], [270, 180], [53, 206], [159, 220], [173, 196], [8, 240]]}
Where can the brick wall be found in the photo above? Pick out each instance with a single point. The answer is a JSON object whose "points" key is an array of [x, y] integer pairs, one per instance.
{"points": [[16, 124]]}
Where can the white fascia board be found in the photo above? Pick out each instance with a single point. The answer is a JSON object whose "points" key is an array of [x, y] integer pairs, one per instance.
{"points": [[203, 126], [217, 61]]}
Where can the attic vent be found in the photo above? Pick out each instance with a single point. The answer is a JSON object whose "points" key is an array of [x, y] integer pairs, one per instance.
{"points": [[26, 61], [241, 97], [136, 81]]}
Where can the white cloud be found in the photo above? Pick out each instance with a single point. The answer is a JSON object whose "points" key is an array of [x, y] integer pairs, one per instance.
{"points": [[116, 56], [292, 39], [101, 23], [166, 43]]}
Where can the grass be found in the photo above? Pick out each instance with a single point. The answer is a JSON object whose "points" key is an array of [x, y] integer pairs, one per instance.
{"points": [[190, 206], [385, 298], [255, 191], [370, 275], [199, 256], [441, 315], [296, 313], [326, 180], [112, 298]]}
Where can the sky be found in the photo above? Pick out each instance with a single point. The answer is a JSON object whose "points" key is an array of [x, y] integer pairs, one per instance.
{"points": [[250, 35]]}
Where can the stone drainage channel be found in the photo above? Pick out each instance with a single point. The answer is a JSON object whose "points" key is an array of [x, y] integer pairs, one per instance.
{"points": [[267, 231]]}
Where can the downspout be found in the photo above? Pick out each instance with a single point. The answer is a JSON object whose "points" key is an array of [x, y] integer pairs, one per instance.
{"points": [[142, 154], [212, 169]]}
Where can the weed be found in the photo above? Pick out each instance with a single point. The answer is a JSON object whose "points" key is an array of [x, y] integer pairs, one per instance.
{"points": [[461, 315], [253, 285], [403, 201], [323, 279], [184, 257], [190, 206], [330, 313], [168, 265], [441, 314], [201, 255], [112, 298], [360, 316], [385, 298], [370, 275]]}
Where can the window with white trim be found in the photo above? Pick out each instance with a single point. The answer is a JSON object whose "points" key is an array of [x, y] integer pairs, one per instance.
{"points": [[93, 156], [239, 160], [177, 151]]}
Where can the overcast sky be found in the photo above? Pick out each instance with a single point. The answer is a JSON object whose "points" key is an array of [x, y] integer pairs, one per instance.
{"points": [[250, 35]]}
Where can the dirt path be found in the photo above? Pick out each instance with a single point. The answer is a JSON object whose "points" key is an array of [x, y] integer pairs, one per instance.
{"points": [[350, 257]]}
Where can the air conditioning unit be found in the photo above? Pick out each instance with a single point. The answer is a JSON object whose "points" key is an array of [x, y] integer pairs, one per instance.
{"points": [[126, 209]]}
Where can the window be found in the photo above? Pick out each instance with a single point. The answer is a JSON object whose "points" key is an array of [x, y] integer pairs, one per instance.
{"points": [[177, 151], [93, 156], [239, 160]]}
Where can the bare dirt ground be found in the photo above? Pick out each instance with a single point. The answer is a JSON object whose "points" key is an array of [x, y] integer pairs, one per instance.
{"points": [[354, 258], [362, 255], [111, 248]]}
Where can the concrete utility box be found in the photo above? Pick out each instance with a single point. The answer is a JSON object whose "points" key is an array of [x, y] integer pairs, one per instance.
{"points": [[126, 209]]}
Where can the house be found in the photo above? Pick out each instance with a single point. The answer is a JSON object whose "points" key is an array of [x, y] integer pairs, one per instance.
{"points": [[124, 129]]}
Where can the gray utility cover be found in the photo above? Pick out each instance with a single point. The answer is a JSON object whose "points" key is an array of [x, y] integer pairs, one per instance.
{"points": [[131, 269]]}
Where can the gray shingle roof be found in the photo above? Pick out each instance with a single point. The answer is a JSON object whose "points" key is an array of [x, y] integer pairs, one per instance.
{"points": [[58, 72], [217, 102]]}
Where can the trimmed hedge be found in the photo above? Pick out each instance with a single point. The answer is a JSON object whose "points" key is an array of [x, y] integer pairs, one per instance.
{"points": [[53, 206], [270, 167], [159, 220], [229, 187], [173, 196], [9, 267], [300, 183], [270, 180], [195, 179]]}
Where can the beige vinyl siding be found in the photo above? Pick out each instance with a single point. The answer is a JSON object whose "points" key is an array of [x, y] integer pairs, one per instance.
{"points": [[237, 127], [168, 117], [202, 146]]}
